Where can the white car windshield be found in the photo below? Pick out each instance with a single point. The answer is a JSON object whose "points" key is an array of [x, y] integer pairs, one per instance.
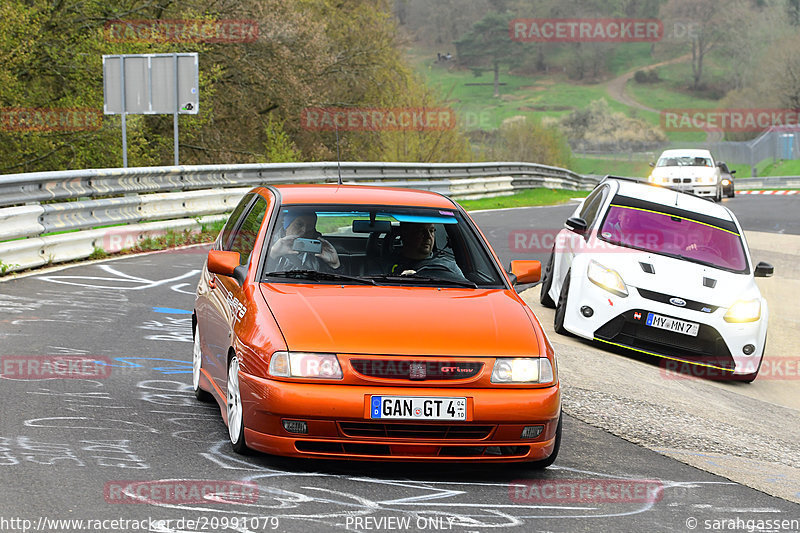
{"points": [[685, 161], [676, 233]]}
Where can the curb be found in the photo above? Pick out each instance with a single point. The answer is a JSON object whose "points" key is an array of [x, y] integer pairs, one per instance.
{"points": [[783, 193]]}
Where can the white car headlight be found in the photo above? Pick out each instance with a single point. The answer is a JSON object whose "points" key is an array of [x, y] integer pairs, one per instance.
{"points": [[305, 365], [744, 311], [606, 278], [522, 370]]}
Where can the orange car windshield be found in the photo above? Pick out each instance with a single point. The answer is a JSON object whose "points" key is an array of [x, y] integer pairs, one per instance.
{"points": [[377, 245]]}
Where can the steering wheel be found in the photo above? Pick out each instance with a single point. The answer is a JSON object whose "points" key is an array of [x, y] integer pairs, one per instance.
{"points": [[296, 262], [433, 266], [705, 248]]}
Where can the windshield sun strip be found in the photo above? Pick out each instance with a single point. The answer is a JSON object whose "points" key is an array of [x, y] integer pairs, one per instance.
{"points": [[675, 216]]}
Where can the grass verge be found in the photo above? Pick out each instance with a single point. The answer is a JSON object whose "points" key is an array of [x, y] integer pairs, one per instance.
{"points": [[526, 198], [615, 167]]}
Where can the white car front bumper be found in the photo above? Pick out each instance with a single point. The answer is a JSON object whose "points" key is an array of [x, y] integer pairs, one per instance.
{"points": [[622, 321]]}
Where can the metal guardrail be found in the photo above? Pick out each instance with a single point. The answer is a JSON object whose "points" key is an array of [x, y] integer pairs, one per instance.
{"points": [[45, 186], [767, 182], [141, 202]]}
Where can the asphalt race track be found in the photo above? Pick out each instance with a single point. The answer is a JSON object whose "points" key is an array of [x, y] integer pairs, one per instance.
{"points": [[70, 447]]}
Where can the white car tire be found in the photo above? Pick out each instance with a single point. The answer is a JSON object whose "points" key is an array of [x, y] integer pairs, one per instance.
{"points": [[197, 365], [561, 308], [547, 283]]}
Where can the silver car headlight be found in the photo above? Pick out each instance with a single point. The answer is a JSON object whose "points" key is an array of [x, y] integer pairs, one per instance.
{"points": [[305, 365], [606, 278], [522, 370]]}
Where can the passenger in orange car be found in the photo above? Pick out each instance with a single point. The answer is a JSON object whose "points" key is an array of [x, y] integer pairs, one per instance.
{"points": [[417, 254], [287, 253]]}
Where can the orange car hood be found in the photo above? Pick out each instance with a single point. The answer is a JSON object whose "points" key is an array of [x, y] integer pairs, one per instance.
{"points": [[401, 320]]}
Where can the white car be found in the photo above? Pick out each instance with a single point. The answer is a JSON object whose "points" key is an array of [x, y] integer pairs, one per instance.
{"points": [[660, 272], [689, 170]]}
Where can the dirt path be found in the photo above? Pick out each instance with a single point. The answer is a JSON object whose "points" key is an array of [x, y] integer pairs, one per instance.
{"points": [[616, 90], [616, 87]]}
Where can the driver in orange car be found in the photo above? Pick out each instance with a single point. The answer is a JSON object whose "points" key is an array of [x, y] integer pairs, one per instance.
{"points": [[302, 224], [417, 254]]}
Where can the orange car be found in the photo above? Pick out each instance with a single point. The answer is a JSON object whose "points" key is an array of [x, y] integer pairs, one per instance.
{"points": [[371, 323]]}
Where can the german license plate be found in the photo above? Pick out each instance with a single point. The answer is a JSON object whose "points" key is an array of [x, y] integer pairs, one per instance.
{"points": [[418, 408], [673, 324]]}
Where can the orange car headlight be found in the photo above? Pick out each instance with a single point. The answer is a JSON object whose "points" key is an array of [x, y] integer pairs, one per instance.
{"points": [[305, 365], [522, 370]]}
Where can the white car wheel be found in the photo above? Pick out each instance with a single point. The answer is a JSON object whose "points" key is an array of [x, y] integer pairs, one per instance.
{"points": [[234, 408]]}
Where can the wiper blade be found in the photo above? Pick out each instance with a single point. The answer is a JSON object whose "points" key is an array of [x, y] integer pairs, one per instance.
{"points": [[403, 279], [699, 261], [316, 275]]}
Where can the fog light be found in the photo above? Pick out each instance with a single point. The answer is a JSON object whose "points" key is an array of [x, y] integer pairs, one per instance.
{"points": [[295, 426], [531, 432], [587, 311], [748, 349]]}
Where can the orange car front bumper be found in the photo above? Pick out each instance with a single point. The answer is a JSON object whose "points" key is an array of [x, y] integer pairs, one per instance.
{"points": [[337, 418]]}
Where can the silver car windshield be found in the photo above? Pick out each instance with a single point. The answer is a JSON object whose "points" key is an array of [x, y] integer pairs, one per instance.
{"points": [[684, 162]]}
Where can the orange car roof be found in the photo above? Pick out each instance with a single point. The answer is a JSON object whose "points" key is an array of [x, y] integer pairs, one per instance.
{"points": [[360, 194]]}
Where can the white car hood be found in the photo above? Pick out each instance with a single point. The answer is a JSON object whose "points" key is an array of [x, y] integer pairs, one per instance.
{"points": [[679, 278]]}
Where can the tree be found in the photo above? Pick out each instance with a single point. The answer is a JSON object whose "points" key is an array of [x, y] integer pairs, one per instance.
{"points": [[526, 139], [307, 53], [710, 24], [488, 45]]}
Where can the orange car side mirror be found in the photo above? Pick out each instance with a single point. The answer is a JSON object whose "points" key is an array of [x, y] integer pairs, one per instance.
{"points": [[222, 263], [526, 271]]}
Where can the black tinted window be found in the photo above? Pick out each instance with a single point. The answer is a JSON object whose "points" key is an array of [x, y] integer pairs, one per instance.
{"points": [[245, 238], [592, 205], [233, 220]]}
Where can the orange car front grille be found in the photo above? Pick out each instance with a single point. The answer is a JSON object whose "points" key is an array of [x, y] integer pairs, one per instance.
{"points": [[416, 370], [415, 431]]}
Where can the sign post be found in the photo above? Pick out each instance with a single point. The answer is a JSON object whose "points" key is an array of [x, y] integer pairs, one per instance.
{"points": [[150, 84]]}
